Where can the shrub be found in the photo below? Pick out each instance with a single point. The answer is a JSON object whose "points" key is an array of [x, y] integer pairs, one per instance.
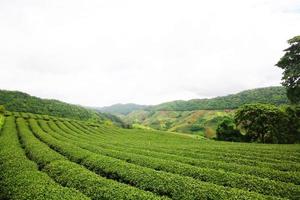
{"points": [[2, 109], [227, 131], [20, 177]]}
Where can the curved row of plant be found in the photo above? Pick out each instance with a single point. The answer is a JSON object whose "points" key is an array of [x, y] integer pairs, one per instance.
{"points": [[20, 177], [279, 152], [162, 183], [245, 150], [283, 166], [288, 177], [267, 151], [246, 182], [73, 175]]}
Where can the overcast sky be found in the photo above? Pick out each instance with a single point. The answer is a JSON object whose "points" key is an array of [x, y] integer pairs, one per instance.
{"points": [[98, 53]]}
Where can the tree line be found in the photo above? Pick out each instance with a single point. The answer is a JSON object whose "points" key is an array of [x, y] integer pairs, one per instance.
{"points": [[268, 123], [270, 95]]}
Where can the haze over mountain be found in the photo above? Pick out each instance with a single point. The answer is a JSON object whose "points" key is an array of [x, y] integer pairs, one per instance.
{"points": [[165, 116], [121, 108], [273, 95], [199, 116]]}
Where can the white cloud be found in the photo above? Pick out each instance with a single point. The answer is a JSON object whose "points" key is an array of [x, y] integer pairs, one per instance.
{"points": [[104, 52]]}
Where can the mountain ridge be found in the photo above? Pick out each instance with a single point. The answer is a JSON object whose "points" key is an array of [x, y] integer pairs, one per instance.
{"points": [[120, 108], [274, 95], [200, 116]]}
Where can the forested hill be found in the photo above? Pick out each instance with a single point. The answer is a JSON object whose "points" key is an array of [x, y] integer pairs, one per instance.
{"points": [[200, 116], [272, 95], [121, 108], [21, 102]]}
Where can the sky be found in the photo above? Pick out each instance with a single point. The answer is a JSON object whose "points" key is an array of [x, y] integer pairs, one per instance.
{"points": [[98, 53]]}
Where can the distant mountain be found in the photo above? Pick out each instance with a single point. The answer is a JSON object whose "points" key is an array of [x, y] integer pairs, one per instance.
{"points": [[200, 116], [21, 102], [271, 95], [121, 108]]}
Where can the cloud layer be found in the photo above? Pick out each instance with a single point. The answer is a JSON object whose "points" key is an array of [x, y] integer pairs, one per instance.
{"points": [[104, 52]]}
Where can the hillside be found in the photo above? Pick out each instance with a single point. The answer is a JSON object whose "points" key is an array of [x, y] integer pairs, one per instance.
{"points": [[271, 95], [16, 101], [200, 116], [41, 155], [200, 122], [121, 108]]}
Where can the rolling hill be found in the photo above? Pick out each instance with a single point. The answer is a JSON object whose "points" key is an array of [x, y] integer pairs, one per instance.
{"points": [[270, 95], [200, 122], [121, 108], [200, 116], [16, 101]]}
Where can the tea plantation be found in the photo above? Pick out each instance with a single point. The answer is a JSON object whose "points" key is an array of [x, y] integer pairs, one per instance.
{"points": [[45, 157]]}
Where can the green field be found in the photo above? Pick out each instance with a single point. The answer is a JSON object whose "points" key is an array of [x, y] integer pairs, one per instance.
{"points": [[44, 157]]}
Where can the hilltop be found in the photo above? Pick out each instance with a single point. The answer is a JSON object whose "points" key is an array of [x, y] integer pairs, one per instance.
{"points": [[273, 95]]}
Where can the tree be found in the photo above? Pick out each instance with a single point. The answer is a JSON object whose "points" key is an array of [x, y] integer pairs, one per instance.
{"points": [[2, 109], [263, 123], [293, 113], [290, 63], [227, 131]]}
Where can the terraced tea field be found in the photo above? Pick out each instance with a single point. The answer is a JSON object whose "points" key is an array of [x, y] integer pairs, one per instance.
{"points": [[44, 157]]}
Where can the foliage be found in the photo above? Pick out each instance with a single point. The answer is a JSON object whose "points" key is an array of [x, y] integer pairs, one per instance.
{"points": [[290, 63], [20, 177], [121, 108], [199, 122], [161, 183], [70, 174], [293, 128], [104, 162], [115, 119], [2, 112], [198, 116], [196, 127], [1, 121], [271, 95], [208, 175], [139, 126], [22, 102], [227, 131], [265, 123], [2, 109]]}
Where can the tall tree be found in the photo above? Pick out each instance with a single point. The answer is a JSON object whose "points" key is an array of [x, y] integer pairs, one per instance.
{"points": [[290, 63], [263, 123]]}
